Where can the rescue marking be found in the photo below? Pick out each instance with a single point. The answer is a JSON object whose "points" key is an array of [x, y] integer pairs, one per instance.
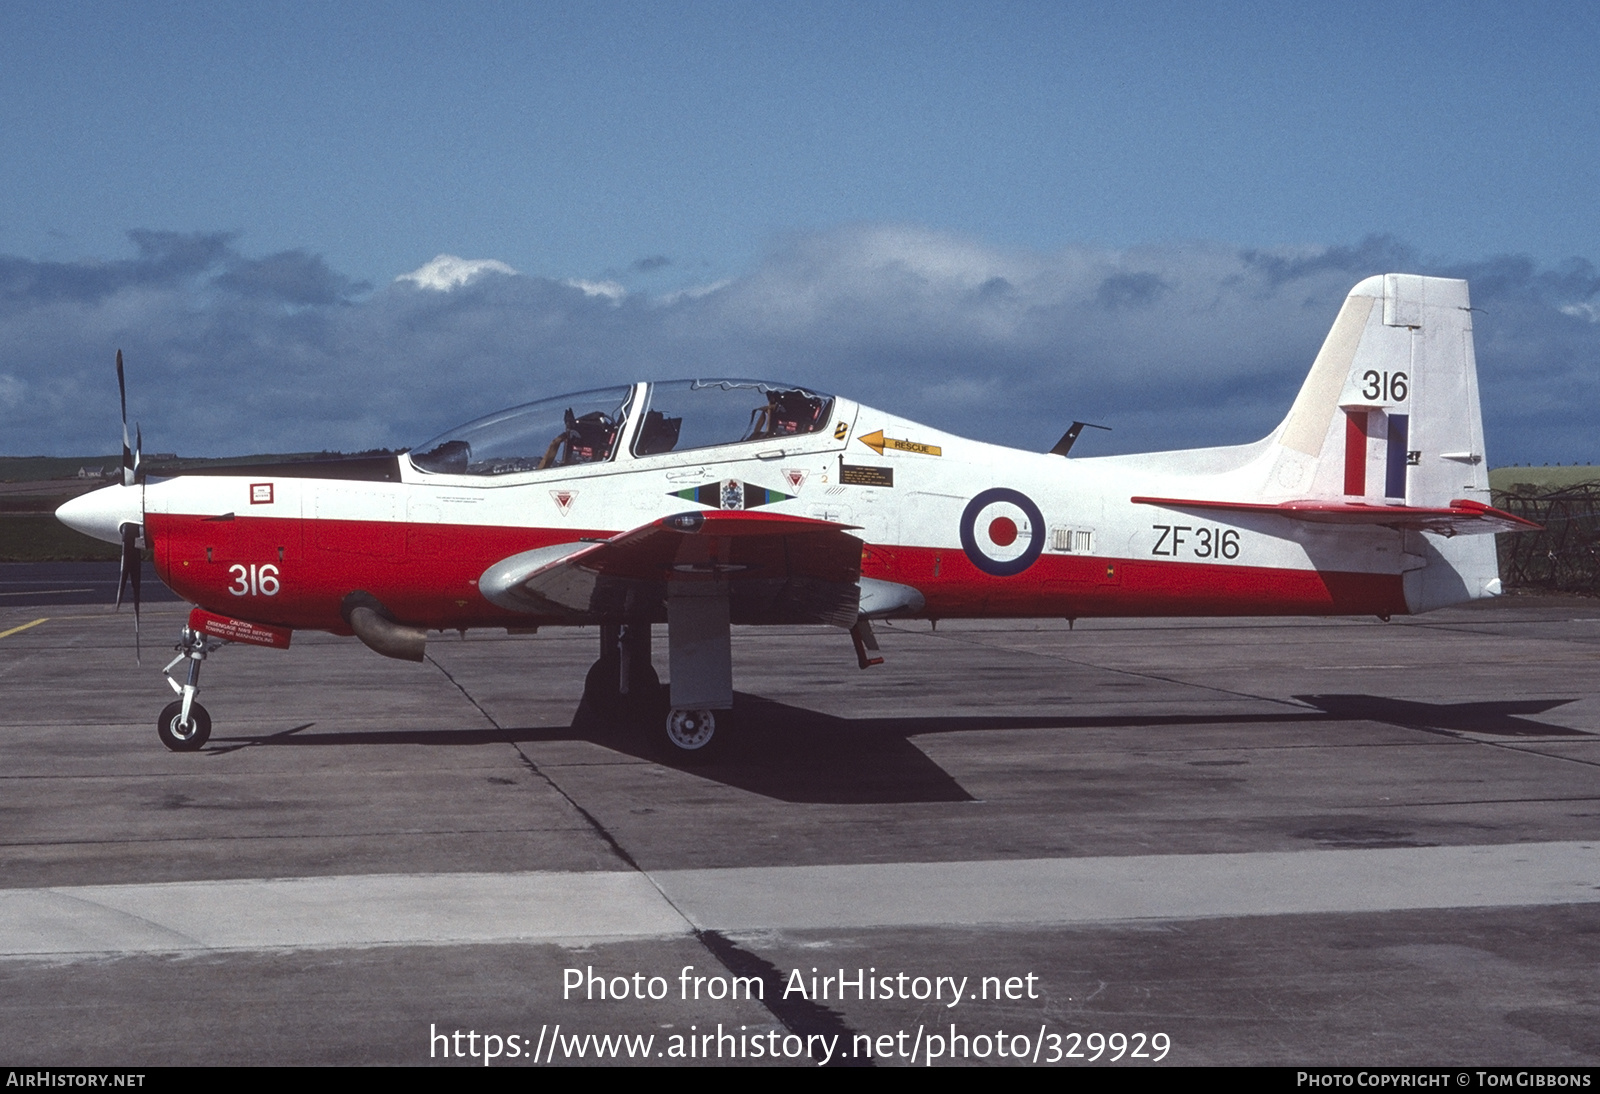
{"points": [[878, 442], [840, 430], [25, 626], [564, 499], [1002, 532], [795, 477], [261, 493]]}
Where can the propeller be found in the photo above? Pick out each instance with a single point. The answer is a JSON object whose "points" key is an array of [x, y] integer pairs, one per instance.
{"points": [[132, 534]]}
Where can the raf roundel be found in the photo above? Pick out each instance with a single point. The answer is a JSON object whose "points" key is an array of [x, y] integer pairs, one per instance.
{"points": [[1002, 532]]}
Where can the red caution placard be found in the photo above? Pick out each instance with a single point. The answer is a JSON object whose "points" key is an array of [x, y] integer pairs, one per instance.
{"points": [[238, 630]]}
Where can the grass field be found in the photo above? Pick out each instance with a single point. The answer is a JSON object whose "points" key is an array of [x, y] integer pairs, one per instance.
{"points": [[18, 469], [40, 537], [1543, 478], [32, 488]]}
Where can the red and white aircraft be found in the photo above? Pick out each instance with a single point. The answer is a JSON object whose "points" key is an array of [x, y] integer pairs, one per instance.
{"points": [[704, 503]]}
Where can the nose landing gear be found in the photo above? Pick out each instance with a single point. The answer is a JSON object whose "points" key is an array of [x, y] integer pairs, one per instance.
{"points": [[185, 725]]}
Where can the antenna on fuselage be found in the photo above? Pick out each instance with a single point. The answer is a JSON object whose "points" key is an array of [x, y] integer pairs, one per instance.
{"points": [[1070, 437]]}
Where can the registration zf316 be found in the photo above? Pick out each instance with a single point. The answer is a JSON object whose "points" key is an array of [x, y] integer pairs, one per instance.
{"points": [[1197, 540]]}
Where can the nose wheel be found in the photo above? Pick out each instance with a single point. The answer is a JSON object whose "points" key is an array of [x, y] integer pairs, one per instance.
{"points": [[180, 735]]}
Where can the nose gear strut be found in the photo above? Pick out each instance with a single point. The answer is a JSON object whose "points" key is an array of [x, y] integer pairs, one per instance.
{"points": [[185, 725]]}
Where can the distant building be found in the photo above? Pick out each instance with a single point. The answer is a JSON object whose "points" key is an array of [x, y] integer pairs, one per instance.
{"points": [[93, 472]]}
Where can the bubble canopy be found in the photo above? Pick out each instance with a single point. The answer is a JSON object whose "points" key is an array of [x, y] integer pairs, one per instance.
{"points": [[587, 427]]}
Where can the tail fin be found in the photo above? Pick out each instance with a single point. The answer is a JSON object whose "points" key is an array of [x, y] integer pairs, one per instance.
{"points": [[1386, 432], [1389, 416], [1389, 413]]}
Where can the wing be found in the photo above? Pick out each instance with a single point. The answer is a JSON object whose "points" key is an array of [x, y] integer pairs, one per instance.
{"points": [[777, 569], [1460, 517]]}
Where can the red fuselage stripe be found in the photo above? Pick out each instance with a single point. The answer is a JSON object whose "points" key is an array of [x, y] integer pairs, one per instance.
{"points": [[294, 573]]}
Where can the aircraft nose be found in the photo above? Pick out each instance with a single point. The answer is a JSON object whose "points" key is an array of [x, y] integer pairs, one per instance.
{"points": [[102, 513]]}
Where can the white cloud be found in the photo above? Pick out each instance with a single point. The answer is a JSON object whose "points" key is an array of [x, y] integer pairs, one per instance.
{"points": [[1174, 345], [610, 290], [693, 292], [447, 272]]}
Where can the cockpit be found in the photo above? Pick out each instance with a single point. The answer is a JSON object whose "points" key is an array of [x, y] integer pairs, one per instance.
{"points": [[591, 426]]}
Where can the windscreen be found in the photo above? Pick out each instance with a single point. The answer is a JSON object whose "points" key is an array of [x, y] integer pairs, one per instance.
{"points": [[559, 432]]}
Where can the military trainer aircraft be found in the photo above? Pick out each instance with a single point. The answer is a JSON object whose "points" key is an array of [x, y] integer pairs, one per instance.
{"points": [[708, 502]]}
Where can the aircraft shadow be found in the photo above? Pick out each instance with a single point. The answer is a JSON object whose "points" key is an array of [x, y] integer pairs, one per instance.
{"points": [[779, 751], [804, 756], [1499, 719]]}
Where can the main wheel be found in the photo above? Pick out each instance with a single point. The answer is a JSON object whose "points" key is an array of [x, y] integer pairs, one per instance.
{"points": [[691, 730], [179, 737]]}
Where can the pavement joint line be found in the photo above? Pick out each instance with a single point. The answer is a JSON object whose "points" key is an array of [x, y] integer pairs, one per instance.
{"points": [[1526, 751], [370, 910], [1295, 703], [25, 626], [45, 592], [132, 841], [1485, 801], [723, 951], [1289, 702]]}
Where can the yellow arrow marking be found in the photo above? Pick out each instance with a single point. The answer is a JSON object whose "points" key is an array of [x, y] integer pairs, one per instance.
{"points": [[25, 626], [878, 442]]}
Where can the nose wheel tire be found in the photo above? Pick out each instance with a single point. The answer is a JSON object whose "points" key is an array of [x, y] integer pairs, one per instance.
{"points": [[184, 738], [691, 730]]}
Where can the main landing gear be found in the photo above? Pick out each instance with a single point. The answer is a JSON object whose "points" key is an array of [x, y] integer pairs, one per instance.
{"points": [[623, 687], [185, 725]]}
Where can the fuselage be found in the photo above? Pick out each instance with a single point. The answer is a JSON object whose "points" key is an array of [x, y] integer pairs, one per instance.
{"points": [[977, 529]]}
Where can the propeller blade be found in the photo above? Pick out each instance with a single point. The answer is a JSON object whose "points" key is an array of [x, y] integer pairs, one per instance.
{"points": [[132, 572], [132, 475], [127, 452]]}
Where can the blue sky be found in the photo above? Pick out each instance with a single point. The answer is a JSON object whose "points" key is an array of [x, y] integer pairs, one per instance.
{"points": [[813, 190]]}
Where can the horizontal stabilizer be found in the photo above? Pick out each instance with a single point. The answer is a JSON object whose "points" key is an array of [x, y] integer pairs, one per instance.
{"points": [[1460, 517]]}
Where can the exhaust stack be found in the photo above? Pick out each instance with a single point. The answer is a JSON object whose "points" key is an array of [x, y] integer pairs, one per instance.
{"points": [[378, 631]]}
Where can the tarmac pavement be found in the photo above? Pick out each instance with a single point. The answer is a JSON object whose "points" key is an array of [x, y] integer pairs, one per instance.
{"points": [[1269, 841]]}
